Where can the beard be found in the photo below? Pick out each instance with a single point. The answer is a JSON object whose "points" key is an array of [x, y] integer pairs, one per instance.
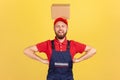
{"points": [[60, 36]]}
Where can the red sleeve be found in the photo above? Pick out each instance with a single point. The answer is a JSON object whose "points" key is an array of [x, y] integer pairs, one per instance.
{"points": [[79, 47], [43, 46]]}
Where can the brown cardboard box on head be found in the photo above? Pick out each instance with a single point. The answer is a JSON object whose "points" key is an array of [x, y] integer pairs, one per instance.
{"points": [[60, 10]]}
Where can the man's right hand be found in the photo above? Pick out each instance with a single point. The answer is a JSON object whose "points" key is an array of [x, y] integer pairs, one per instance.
{"points": [[45, 61]]}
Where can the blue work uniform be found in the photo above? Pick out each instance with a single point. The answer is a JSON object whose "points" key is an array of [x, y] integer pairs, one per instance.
{"points": [[60, 66]]}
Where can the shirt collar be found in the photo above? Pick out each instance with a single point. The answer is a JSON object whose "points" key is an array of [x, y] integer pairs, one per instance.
{"points": [[57, 41]]}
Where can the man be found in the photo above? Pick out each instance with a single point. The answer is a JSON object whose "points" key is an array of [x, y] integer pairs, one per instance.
{"points": [[60, 52]]}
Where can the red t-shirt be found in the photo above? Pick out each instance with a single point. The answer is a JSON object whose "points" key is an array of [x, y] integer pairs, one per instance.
{"points": [[75, 47]]}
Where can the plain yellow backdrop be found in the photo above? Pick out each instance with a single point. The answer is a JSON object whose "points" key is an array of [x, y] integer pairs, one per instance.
{"points": [[26, 22]]}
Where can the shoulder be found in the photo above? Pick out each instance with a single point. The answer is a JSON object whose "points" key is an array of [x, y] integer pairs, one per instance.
{"points": [[79, 47], [43, 46]]}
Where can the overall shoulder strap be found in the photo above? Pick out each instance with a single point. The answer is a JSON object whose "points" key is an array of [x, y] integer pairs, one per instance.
{"points": [[52, 42], [68, 44]]}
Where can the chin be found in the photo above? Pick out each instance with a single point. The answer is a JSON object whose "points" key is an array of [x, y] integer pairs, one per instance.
{"points": [[60, 37]]}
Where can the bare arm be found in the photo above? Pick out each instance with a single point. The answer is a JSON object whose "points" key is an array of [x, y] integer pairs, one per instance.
{"points": [[89, 52], [30, 52]]}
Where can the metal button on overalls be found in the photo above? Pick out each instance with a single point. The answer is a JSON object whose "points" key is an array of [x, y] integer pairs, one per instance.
{"points": [[60, 67]]}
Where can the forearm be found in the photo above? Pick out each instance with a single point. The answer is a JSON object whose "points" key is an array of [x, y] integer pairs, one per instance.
{"points": [[87, 55]]}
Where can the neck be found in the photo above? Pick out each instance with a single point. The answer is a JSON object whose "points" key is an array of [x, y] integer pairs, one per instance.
{"points": [[61, 40]]}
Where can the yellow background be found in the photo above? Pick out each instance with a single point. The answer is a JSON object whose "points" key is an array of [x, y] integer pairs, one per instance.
{"points": [[27, 22]]}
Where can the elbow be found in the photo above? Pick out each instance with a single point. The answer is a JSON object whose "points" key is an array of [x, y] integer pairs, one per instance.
{"points": [[94, 51], [28, 51], [25, 51]]}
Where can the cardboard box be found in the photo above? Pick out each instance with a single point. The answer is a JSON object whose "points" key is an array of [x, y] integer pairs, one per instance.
{"points": [[60, 10]]}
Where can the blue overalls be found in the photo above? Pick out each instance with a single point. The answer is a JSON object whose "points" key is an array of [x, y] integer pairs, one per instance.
{"points": [[60, 66]]}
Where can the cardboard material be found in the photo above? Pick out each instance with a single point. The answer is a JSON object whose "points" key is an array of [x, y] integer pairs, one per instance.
{"points": [[60, 10]]}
